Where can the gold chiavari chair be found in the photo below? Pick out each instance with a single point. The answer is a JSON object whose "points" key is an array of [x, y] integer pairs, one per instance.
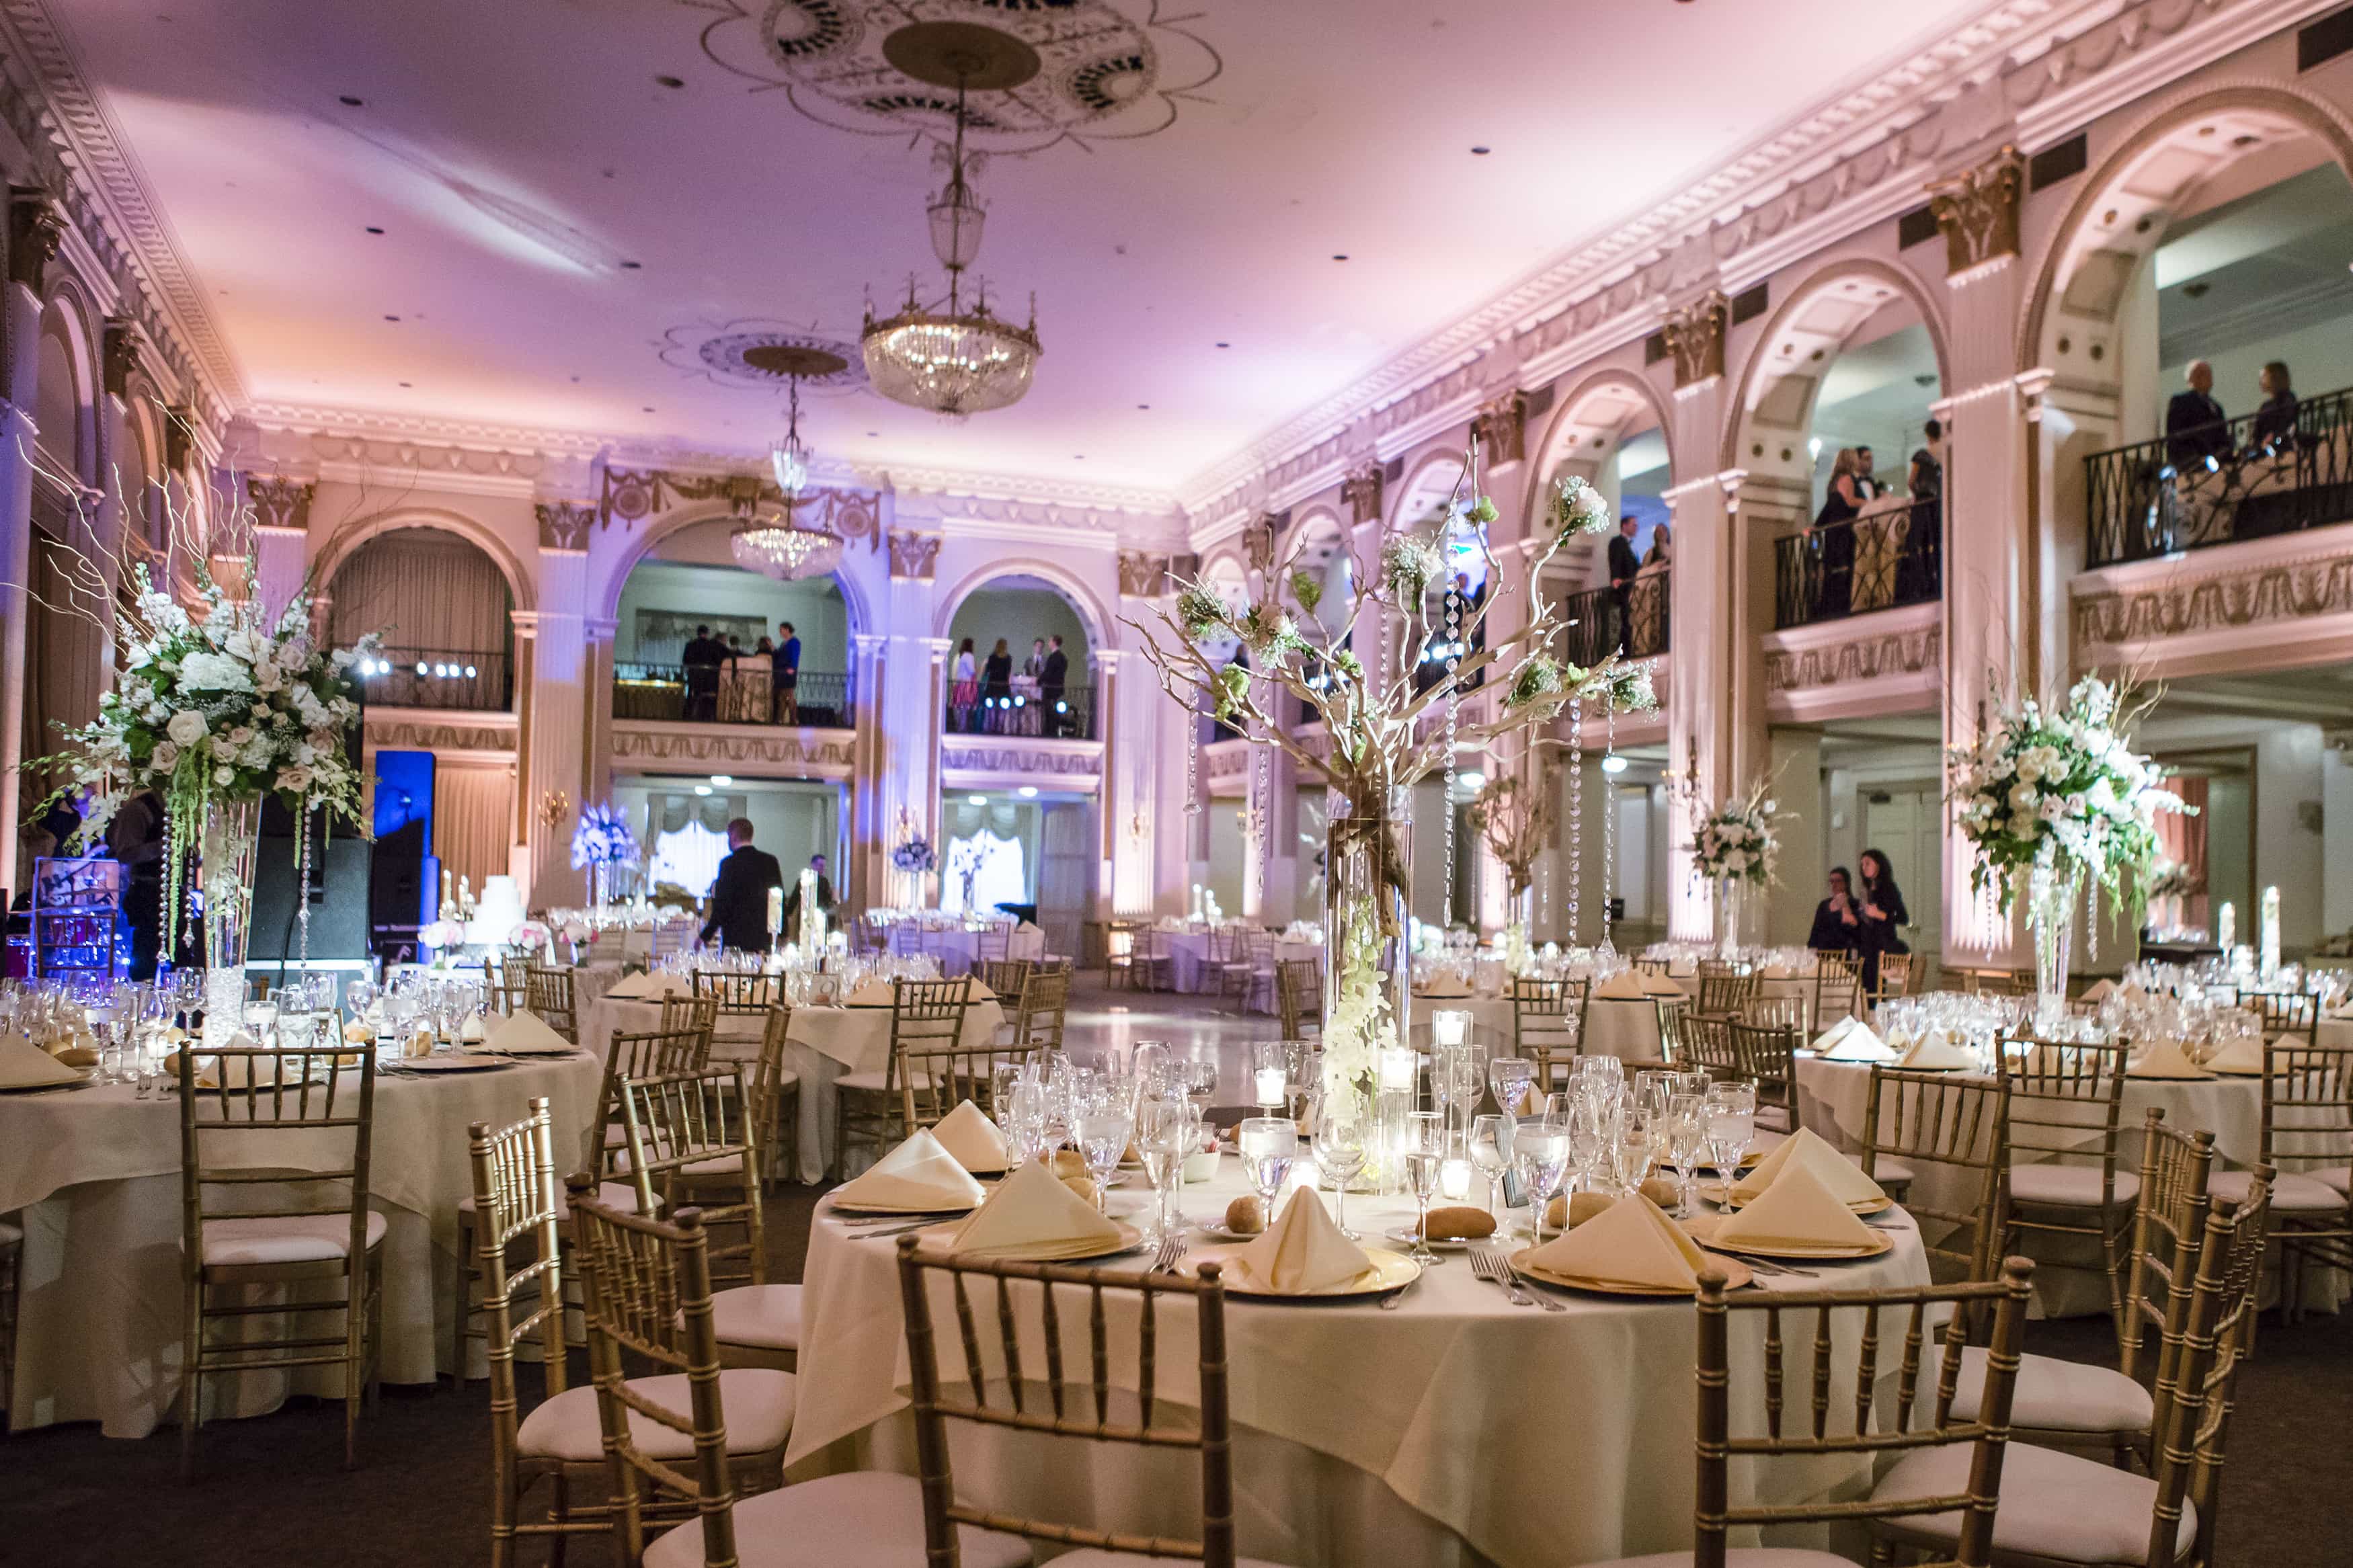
{"points": [[937, 1067], [1548, 1025], [1838, 989], [1119, 955], [1672, 1012], [299, 1101], [1895, 975], [2067, 1508], [776, 1091], [1656, 966], [650, 1053], [1725, 985], [1040, 1014], [869, 1106], [508, 984], [548, 993], [687, 1439], [737, 994], [516, 1199], [993, 943], [1299, 995], [12, 1266], [1706, 1043], [2308, 1138], [1775, 1012], [1250, 951], [1768, 1058], [1914, 1118], [2286, 1013], [1006, 977], [2066, 1104], [1834, 1341], [699, 1014]]}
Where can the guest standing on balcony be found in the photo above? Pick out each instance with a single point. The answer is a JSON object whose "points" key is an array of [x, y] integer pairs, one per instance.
{"points": [[1833, 534], [1034, 667], [1624, 563], [1924, 535], [701, 660], [996, 687], [1662, 551], [785, 668], [966, 691], [2197, 432], [739, 894], [1053, 681], [1928, 481], [2276, 420], [1867, 486], [1883, 915]]}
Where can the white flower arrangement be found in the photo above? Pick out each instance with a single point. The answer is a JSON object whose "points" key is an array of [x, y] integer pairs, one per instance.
{"points": [[602, 838], [441, 935], [1738, 842], [2062, 792]]}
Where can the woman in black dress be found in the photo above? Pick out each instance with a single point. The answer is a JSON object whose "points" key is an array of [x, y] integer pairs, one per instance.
{"points": [[1833, 544], [997, 688], [1884, 915], [1838, 920]]}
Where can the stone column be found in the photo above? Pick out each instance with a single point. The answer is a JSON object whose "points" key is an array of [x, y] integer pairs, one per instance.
{"points": [[868, 876], [597, 712], [34, 226], [915, 691], [1706, 662], [558, 727], [281, 512], [1996, 581], [526, 637], [1112, 730]]}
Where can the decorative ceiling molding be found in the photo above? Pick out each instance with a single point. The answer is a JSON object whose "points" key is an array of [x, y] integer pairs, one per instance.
{"points": [[1861, 155]]}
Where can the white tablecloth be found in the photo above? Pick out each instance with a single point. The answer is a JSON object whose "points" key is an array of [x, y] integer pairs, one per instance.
{"points": [[957, 950], [96, 1173], [1456, 1430], [822, 1044]]}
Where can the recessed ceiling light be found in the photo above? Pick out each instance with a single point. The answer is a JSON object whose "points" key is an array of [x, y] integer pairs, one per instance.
{"points": [[1078, 457], [392, 318], [351, 102], [1144, 406], [669, 81], [1225, 346], [630, 266], [408, 384], [650, 408], [1479, 151], [1340, 256], [373, 229], [872, 434]]}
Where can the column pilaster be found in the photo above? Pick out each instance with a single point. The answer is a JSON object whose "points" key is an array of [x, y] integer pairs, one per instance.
{"points": [[34, 227]]}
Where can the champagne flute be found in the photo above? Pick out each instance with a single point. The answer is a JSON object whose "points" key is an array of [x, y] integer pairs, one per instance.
{"points": [[1425, 1151], [1490, 1152], [1687, 1133]]}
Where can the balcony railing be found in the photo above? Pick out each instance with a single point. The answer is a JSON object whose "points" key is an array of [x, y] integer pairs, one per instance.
{"points": [[1876, 562], [1602, 627], [2242, 478], [732, 694], [436, 678], [1025, 709]]}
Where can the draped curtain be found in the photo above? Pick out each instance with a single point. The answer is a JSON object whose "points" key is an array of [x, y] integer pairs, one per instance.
{"points": [[2181, 839], [473, 819], [422, 588], [1066, 852], [65, 655]]}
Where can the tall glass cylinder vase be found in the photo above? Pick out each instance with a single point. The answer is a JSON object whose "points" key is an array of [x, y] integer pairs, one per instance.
{"points": [[600, 877], [224, 874], [1728, 900], [1367, 961], [2052, 893]]}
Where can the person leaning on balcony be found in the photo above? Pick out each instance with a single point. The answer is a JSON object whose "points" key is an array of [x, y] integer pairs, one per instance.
{"points": [[2276, 420], [701, 658], [1661, 553], [1053, 681], [1624, 565], [1926, 484], [2197, 432], [1834, 536], [784, 672]]}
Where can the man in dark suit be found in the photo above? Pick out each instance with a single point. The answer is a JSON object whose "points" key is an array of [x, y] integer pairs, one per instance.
{"points": [[785, 665], [1624, 565], [701, 657], [1053, 682], [2196, 428], [739, 895]]}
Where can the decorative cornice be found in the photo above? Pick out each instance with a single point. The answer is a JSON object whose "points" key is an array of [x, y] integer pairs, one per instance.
{"points": [[830, 753], [2271, 582], [1867, 647], [442, 733]]}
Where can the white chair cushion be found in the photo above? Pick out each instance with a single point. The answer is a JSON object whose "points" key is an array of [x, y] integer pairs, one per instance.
{"points": [[2061, 1507], [2291, 1194], [867, 1082], [863, 1520], [1890, 1169], [1739, 1557], [297, 1239], [2056, 1396], [720, 1165], [757, 1402], [2337, 1176], [767, 1316], [2068, 1187]]}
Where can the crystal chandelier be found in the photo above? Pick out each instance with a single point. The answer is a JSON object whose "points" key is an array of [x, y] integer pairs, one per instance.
{"points": [[953, 360], [775, 546]]}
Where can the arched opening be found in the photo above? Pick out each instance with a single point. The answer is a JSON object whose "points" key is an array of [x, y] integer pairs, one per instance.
{"points": [[2199, 320], [1020, 664], [1611, 432], [444, 612], [698, 638]]}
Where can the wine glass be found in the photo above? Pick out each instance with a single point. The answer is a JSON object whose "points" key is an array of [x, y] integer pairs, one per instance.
{"points": [[1730, 1110], [1163, 1126], [1342, 1148], [1268, 1144], [1686, 1135], [1629, 1156], [1425, 1151], [1540, 1149], [1491, 1154], [1102, 1129], [1592, 1124], [1509, 1077]]}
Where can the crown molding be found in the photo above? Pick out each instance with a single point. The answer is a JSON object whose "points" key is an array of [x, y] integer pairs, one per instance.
{"points": [[1857, 157]]}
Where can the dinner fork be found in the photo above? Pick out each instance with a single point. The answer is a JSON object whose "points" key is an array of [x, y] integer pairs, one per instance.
{"points": [[1171, 1250], [1488, 1264]]}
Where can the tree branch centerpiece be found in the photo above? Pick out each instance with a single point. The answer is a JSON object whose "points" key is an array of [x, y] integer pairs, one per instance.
{"points": [[1735, 848], [1383, 732], [2054, 798]]}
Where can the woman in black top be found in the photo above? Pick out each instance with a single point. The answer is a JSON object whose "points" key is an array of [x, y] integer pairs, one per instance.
{"points": [[1838, 920], [1883, 915], [1834, 591], [2276, 420], [996, 687]]}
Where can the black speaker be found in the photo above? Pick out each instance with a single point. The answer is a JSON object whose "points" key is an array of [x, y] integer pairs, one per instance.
{"points": [[339, 877]]}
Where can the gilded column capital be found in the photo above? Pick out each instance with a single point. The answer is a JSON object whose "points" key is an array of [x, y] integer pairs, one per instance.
{"points": [[37, 226], [119, 355], [914, 557], [1360, 492], [1979, 211], [281, 505], [563, 525], [1500, 428], [1142, 574], [1695, 335]]}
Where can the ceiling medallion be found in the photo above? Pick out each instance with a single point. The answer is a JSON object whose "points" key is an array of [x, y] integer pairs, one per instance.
{"points": [[948, 359], [763, 353], [1100, 69]]}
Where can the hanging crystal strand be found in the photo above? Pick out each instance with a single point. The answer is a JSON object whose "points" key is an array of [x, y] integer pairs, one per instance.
{"points": [[1192, 792], [2092, 926], [1263, 817], [1453, 705], [302, 880], [1575, 813], [1608, 835]]}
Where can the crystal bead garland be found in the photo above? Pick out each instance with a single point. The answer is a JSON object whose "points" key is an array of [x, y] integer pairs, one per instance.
{"points": [[1453, 715], [1608, 838], [1576, 812]]}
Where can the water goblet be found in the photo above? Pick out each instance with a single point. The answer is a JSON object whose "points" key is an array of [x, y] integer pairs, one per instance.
{"points": [[1342, 1147], [1102, 1130], [1268, 1144], [1491, 1153], [1730, 1110], [1509, 1077], [1540, 1148], [1162, 1127]]}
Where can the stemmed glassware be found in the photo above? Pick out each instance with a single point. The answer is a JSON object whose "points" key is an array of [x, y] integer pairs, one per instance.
{"points": [[1509, 1077], [1686, 1136], [1540, 1149], [1342, 1147], [1164, 1129], [1102, 1125], [1491, 1154], [1268, 1144], [1730, 1110], [1425, 1152]]}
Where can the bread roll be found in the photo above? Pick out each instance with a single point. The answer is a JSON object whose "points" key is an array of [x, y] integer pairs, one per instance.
{"points": [[1246, 1215], [358, 1032], [1460, 1222], [1069, 1162], [1084, 1186], [1660, 1190], [77, 1056], [1575, 1211]]}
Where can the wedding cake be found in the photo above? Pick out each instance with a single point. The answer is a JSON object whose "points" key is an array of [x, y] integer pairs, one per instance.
{"points": [[497, 912]]}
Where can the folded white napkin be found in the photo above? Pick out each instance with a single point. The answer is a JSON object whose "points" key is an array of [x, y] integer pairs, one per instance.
{"points": [[524, 1031], [24, 1064], [918, 1174], [2342, 1011], [873, 994], [2164, 1059], [981, 992], [2131, 990], [1858, 1042], [1301, 1252], [470, 1033], [2099, 991], [1631, 1243], [1444, 988], [1835, 1033], [2243, 1055], [228, 1072], [1658, 985], [1034, 1215], [1626, 985], [1805, 1148], [968, 1134], [1798, 1210], [1935, 1051], [650, 985]]}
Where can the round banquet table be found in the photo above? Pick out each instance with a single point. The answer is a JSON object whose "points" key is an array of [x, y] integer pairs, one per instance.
{"points": [[821, 1044], [1187, 953], [1456, 1429], [958, 949], [1626, 1029], [97, 1173]]}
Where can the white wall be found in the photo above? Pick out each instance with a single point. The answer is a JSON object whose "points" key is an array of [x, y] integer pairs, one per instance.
{"points": [[816, 608], [1019, 615]]}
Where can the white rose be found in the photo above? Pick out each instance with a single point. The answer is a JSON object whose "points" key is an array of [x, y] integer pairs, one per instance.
{"points": [[164, 758], [2023, 798], [187, 727], [224, 776], [294, 780]]}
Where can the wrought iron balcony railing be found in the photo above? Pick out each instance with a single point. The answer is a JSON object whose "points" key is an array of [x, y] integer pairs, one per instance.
{"points": [[2276, 472], [1876, 563], [740, 693], [1024, 707], [1637, 628]]}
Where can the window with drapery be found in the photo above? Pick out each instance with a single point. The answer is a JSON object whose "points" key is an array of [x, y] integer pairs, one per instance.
{"points": [[423, 588]]}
